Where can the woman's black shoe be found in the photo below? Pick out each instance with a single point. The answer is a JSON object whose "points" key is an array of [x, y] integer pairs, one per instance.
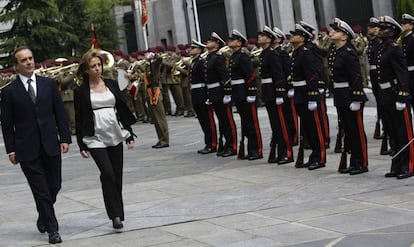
{"points": [[117, 223]]}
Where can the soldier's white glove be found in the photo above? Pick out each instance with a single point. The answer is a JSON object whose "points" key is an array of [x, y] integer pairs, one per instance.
{"points": [[251, 99], [321, 90], [279, 100], [208, 102], [291, 93], [149, 55], [399, 106], [312, 105], [226, 99], [355, 106]]}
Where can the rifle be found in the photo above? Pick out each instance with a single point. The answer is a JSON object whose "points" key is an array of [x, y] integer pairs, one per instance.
{"points": [[241, 154], [299, 159], [342, 163], [377, 130]]}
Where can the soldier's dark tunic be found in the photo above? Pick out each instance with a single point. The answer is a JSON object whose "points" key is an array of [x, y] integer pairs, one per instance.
{"points": [[305, 75], [274, 86], [345, 74], [216, 75], [243, 81], [408, 49], [394, 87], [199, 98]]}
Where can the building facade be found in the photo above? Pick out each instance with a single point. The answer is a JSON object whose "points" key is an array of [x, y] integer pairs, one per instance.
{"points": [[173, 22]]}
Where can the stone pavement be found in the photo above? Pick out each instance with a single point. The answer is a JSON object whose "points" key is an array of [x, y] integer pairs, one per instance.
{"points": [[176, 197]]}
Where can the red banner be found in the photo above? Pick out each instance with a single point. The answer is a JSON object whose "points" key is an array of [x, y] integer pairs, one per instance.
{"points": [[94, 40], [144, 13]]}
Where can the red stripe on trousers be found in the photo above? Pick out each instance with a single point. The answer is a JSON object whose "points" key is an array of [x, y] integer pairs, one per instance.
{"points": [[257, 128], [284, 131], [232, 126], [320, 135], [362, 138], [410, 137], [212, 127]]}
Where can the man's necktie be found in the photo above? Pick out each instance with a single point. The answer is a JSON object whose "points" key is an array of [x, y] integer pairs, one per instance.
{"points": [[30, 90]]}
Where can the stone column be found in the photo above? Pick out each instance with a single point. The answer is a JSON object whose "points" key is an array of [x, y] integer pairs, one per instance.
{"points": [[383, 7], [307, 12], [234, 15], [283, 15]]}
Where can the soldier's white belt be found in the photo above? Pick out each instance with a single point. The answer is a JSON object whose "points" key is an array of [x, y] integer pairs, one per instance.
{"points": [[237, 82], [410, 68], [267, 80], [197, 85], [213, 85], [341, 84], [385, 85], [372, 67], [298, 83]]}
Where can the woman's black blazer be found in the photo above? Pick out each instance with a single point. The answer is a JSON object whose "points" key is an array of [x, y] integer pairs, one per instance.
{"points": [[84, 114]]}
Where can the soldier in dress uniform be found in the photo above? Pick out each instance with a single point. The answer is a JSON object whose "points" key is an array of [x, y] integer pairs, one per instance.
{"points": [[203, 110], [393, 79], [349, 96], [305, 74], [66, 82], [407, 43], [274, 95], [322, 110], [217, 77], [155, 105], [243, 84], [371, 51], [291, 116], [121, 63]]}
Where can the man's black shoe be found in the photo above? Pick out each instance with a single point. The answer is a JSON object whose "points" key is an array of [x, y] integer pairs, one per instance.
{"points": [[228, 153], [304, 165], [391, 175], [315, 165], [206, 150], [159, 145], [404, 175], [54, 238], [285, 160], [40, 226], [255, 157], [272, 160], [356, 171], [346, 170]]}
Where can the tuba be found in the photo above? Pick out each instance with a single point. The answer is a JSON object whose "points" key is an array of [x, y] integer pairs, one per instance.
{"points": [[226, 51], [256, 53], [110, 61]]}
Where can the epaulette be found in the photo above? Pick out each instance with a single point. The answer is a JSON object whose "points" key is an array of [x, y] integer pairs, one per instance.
{"points": [[348, 49], [394, 44], [305, 49]]}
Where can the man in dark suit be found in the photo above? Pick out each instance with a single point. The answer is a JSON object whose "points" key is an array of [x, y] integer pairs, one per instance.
{"points": [[36, 131]]}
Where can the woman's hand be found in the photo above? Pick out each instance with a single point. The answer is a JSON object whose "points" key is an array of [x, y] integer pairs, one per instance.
{"points": [[85, 154], [130, 144]]}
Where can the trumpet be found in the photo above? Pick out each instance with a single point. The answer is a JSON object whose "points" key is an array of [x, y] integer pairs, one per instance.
{"points": [[256, 53]]}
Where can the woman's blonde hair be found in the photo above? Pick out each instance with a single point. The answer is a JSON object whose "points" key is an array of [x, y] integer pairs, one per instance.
{"points": [[84, 64]]}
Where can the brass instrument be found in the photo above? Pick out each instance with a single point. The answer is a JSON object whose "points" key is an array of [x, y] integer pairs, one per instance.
{"points": [[204, 55], [109, 63], [225, 51], [181, 64], [256, 53], [9, 80]]}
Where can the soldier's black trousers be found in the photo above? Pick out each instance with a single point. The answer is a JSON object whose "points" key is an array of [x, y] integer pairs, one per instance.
{"points": [[280, 128], [356, 139], [312, 126], [250, 127], [208, 125], [227, 126], [401, 133]]}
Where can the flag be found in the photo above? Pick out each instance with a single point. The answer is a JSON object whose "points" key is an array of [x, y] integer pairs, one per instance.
{"points": [[94, 40], [144, 13]]}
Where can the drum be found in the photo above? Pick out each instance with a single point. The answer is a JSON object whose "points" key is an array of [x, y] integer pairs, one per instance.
{"points": [[122, 79]]}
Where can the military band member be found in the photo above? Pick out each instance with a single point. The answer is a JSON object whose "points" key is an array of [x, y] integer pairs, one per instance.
{"points": [[203, 110], [133, 86], [349, 97], [183, 71], [305, 74], [394, 96], [217, 77], [274, 96], [243, 84], [407, 43], [155, 105], [123, 64], [371, 51], [66, 82], [168, 63]]}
